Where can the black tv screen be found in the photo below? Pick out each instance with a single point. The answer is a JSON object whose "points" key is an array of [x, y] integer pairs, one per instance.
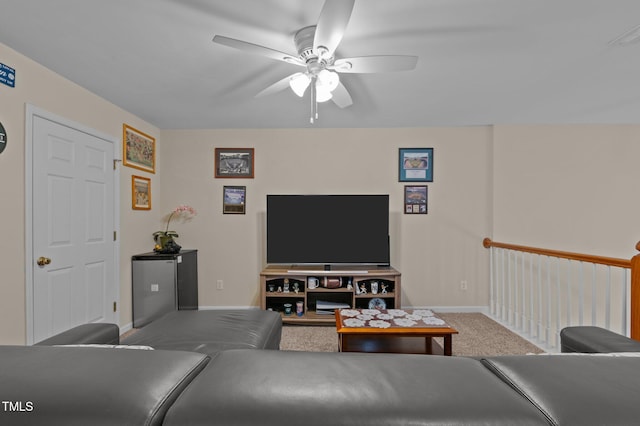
{"points": [[328, 229]]}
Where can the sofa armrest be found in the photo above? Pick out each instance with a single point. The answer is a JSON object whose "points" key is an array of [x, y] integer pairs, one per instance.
{"points": [[71, 386], [96, 333], [590, 339]]}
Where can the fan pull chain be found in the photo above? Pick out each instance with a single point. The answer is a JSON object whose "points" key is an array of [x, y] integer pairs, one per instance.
{"points": [[314, 104], [313, 96]]}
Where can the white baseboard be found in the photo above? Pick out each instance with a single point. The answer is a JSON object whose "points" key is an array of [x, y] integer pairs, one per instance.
{"points": [[126, 327], [452, 309], [213, 308]]}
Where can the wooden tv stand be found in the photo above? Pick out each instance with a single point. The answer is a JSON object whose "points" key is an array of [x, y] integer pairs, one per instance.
{"points": [[274, 278]]}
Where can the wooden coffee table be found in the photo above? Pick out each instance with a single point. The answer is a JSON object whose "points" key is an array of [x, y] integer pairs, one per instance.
{"points": [[391, 330]]}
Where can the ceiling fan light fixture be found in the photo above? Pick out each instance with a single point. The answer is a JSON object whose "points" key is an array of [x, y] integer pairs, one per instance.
{"points": [[316, 48], [323, 94], [326, 82], [329, 79], [299, 83]]}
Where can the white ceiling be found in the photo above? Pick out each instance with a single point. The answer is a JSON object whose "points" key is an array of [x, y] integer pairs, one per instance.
{"points": [[480, 61]]}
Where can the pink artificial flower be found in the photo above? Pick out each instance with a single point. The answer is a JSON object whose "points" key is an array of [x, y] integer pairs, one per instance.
{"points": [[182, 210]]}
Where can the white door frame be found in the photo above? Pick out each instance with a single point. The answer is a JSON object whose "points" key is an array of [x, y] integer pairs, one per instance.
{"points": [[31, 112]]}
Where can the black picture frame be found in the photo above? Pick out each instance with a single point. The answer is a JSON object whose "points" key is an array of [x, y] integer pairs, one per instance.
{"points": [[234, 199], [416, 199]]}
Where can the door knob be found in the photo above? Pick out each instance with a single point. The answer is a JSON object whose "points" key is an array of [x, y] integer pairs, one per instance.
{"points": [[42, 261]]}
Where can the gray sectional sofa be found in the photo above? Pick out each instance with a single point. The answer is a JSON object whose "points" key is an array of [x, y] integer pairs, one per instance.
{"points": [[209, 370]]}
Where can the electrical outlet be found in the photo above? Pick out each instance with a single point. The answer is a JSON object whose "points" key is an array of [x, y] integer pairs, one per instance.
{"points": [[155, 287], [219, 284], [463, 285]]}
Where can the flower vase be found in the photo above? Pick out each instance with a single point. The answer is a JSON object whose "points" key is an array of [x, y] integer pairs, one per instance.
{"points": [[167, 245]]}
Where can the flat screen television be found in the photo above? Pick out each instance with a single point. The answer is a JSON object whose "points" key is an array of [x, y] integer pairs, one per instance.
{"points": [[328, 229]]}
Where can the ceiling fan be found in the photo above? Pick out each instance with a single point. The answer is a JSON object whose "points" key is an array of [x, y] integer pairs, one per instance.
{"points": [[316, 46]]}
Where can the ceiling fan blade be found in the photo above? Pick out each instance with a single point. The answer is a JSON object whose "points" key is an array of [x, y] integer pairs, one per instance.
{"points": [[373, 64], [276, 87], [341, 96], [332, 24], [258, 50]]}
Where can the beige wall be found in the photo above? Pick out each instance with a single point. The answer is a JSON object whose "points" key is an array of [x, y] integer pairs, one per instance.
{"points": [[572, 188], [46, 90], [433, 252]]}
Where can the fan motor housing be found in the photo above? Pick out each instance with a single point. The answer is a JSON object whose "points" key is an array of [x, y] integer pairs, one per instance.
{"points": [[304, 43]]}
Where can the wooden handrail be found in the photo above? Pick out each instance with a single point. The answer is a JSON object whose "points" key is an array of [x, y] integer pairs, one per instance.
{"points": [[610, 261], [633, 264]]}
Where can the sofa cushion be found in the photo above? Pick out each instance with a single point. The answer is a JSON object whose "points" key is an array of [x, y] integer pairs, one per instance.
{"points": [[249, 387], [211, 331], [46, 385], [574, 389]]}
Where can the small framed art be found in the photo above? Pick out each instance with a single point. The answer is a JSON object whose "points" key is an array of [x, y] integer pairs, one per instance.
{"points": [[140, 193], [415, 165], [415, 199], [234, 162], [234, 199], [139, 149]]}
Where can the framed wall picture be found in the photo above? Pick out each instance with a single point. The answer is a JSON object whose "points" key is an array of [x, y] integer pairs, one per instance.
{"points": [[140, 193], [234, 162], [139, 149], [415, 199], [3, 138], [416, 165], [234, 199]]}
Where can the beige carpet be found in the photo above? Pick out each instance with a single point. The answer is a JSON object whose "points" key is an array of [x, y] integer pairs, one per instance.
{"points": [[478, 336]]}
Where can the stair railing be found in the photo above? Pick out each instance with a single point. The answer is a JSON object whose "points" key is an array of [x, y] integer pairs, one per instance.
{"points": [[537, 292]]}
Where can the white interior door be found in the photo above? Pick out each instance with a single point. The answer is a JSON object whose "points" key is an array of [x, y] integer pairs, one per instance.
{"points": [[73, 225]]}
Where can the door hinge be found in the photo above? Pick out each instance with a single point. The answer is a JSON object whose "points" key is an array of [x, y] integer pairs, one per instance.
{"points": [[115, 235], [115, 306]]}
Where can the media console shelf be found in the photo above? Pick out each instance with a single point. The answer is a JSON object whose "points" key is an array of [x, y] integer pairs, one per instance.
{"points": [[315, 286]]}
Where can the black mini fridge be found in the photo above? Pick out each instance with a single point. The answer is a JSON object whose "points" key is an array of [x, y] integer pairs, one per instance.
{"points": [[162, 283]]}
